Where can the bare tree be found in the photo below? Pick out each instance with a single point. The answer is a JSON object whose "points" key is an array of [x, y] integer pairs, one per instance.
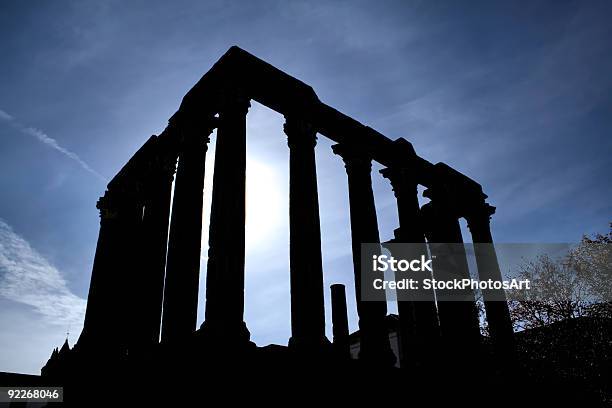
{"points": [[578, 285]]}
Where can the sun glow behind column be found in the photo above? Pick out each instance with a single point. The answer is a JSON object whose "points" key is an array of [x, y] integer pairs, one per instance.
{"points": [[264, 198], [263, 204]]}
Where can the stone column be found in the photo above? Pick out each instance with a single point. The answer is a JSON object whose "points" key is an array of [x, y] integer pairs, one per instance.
{"points": [[99, 327], [183, 260], [154, 243], [109, 327], [224, 320], [496, 306], [129, 284], [340, 327], [374, 339], [419, 332], [457, 312], [306, 270]]}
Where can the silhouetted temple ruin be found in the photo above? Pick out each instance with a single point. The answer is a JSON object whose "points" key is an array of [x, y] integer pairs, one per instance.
{"points": [[144, 284]]}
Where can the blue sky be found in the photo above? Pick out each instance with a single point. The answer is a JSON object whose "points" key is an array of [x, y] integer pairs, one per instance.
{"points": [[515, 95]]}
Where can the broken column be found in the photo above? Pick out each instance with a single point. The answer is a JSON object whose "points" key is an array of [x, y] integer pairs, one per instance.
{"points": [[340, 326]]}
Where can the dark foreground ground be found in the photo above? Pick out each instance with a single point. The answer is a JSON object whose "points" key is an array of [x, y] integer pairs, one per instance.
{"points": [[568, 363]]}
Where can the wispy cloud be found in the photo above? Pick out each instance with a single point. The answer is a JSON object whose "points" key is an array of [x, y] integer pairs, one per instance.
{"points": [[49, 141], [28, 278], [5, 116]]}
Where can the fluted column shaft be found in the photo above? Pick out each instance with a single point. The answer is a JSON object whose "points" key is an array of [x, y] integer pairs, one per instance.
{"points": [[374, 339], [458, 317], [498, 314], [109, 304], [183, 260], [306, 270], [98, 326], [154, 242], [226, 254], [419, 331]]}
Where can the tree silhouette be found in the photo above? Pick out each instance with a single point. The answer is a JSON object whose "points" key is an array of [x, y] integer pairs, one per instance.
{"points": [[578, 285]]}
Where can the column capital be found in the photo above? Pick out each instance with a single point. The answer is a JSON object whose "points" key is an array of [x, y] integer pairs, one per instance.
{"points": [[167, 164], [300, 133], [355, 158], [162, 168], [460, 202], [233, 101], [106, 206], [402, 179], [190, 128], [444, 198], [483, 209], [396, 174], [114, 205], [479, 215], [185, 128], [403, 167]]}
